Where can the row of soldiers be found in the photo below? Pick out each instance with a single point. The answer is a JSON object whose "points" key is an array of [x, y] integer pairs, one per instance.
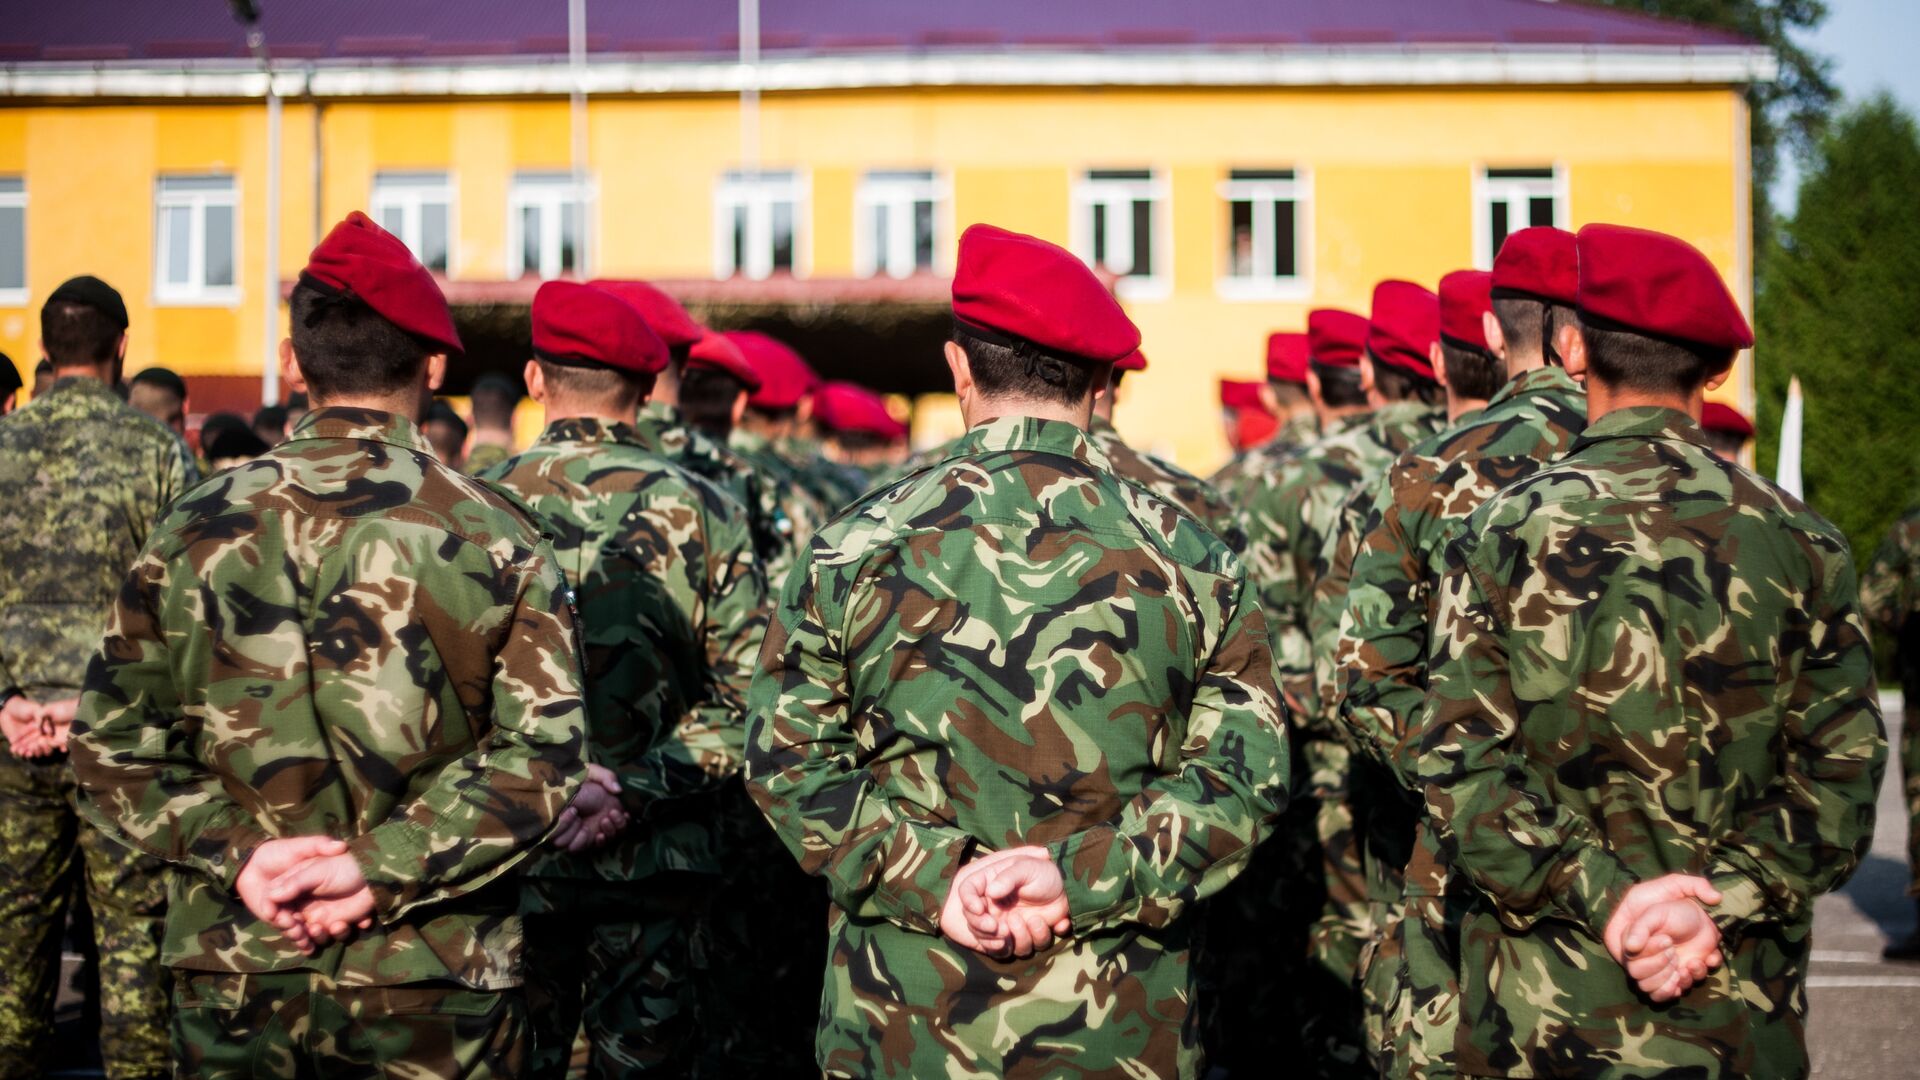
{"points": [[1528, 727]]}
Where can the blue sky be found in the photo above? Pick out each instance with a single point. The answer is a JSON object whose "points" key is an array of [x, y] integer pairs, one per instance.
{"points": [[1872, 45]]}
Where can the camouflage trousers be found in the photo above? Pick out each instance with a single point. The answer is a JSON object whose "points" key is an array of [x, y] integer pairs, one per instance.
{"points": [[1910, 776], [298, 1025], [609, 974], [47, 853]]}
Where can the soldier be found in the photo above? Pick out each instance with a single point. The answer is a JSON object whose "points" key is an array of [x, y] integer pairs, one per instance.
{"points": [[446, 432], [1728, 430], [493, 400], [992, 692], [1246, 421], [1890, 594], [1293, 508], [861, 436], [161, 394], [83, 479], [9, 385], [672, 607], [1163, 478], [1287, 396], [1651, 735], [1378, 664], [339, 693], [779, 419]]}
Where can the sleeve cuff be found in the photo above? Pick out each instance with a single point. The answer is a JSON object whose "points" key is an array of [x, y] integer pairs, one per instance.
{"points": [[1092, 897], [391, 858], [914, 889], [1595, 888], [1742, 900], [225, 866]]}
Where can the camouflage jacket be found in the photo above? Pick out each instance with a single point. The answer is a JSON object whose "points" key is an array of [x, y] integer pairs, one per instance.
{"points": [[672, 611], [805, 494], [83, 478], [1170, 482], [343, 636], [1890, 589], [1295, 435], [1292, 511], [1012, 646], [664, 431], [485, 456], [1645, 660], [835, 485]]}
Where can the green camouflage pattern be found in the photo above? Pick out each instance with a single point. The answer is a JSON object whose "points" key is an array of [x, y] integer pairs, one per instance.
{"points": [[672, 610], [342, 637], [1295, 435], [83, 477], [1171, 483], [1372, 678], [485, 456], [1016, 647], [1645, 660], [771, 513], [292, 1025], [802, 495], [1890, 596]]}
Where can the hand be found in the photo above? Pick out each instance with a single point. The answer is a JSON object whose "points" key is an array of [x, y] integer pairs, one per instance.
{"points": [[1663, 936], [24, 722], [59, 720], [595, 816], [328, 895], [1015, 901], [268, 862]]}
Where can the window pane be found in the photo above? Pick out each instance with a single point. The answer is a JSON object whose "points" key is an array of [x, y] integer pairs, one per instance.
{"points": [[175, 184], [1100, 233], [1143, 237], [739, 239], [1240, 238], [1261, 174], [923, 235], [219, 237], [529, 239], [1498, 232], [433, 236], [1119, 174], [569, 236], [1284, 256], [882, 248], [13, 248], [1539, 211], [1520, 174], [783, 235], [393, 219], [176, 233], [12, 185]]}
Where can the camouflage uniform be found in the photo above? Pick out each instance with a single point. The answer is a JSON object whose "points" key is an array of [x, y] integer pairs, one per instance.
{"points": [[485, 456], [802, 483], [1890, 596], [1170, 482], [1292, 511], [771, 514], [83, 477], [1374, 682], [1015, 647], [1645, 661], [672, 609], [1295, 435], [342, 637]]}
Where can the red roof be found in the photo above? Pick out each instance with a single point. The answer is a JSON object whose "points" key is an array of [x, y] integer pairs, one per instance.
{"points": [[433, 30]]}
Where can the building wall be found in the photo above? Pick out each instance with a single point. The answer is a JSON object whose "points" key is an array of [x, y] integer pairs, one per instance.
{"points": [[1392, 176]]}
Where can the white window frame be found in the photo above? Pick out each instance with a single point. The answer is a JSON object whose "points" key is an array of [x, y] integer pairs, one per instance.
{"points": [[550, 192], [1515, 192], [1089, 191], [897, 192], [17, 200], [195, 292], [409, 198], [1263, 283], [757, 192]]}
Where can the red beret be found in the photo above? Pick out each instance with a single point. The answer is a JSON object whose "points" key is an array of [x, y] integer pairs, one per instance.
{"points": [[1235, 394], [371, 263], [576, 324], [1404, 326], [846, 407], [1465, 295], [785, 375], [1658, 286], [1287, 357], [1335, 338], [1010, 285], [1133, 361], [663, 314], [1717, 417], [1539, 264], [720, 352]]}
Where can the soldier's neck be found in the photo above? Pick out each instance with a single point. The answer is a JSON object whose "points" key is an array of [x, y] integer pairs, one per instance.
{"points": [[1603, 399], [1330, 415], [613, 412], [1460, 406], [979, 411], [407, 403]]}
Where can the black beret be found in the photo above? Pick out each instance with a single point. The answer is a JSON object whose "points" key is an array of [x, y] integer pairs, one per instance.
{"points": [[9, 376], [94, 293]]}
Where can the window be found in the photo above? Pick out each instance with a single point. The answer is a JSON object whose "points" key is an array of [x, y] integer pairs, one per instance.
{"points": [[13, 240], [1515, 199], [756, 223], [196, 244], [894, 221], [1266, 246], [544, 226], [416, 207], [1119, 227]]}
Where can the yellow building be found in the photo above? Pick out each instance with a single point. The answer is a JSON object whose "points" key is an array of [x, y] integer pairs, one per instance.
{"points": [[1230, 176]]}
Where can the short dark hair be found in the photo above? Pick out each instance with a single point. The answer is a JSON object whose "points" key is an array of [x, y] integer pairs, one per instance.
{"points": [[160, 379], [1623, 358], [1473, 373], [493, 398], [1000, 371], [1288, 393], [443, 412], [1729, 443], [297, 400], [707, 396], [77, 334], [1339, 386], [1521, 319], [213, 425], [345, 347], [272, 416], [857, 441], [595, 382], [1399, 384]]}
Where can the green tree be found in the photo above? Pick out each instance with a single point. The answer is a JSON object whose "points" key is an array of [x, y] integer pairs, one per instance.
{"points": [[1840, 308]]}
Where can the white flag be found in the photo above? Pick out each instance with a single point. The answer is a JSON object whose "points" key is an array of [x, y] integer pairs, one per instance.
{"points": [[1788, 476]]}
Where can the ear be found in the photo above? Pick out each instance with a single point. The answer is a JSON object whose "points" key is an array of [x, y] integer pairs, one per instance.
{"points": [[1366, 373], [1269, 400], [803, 412], [1496, 339], [1313, 391], [291, 376], [120, 347], [961, 369], [1715, 380], [536, 381], [1438, 358], [739, 406], [436, 370], [1573, 352]]}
